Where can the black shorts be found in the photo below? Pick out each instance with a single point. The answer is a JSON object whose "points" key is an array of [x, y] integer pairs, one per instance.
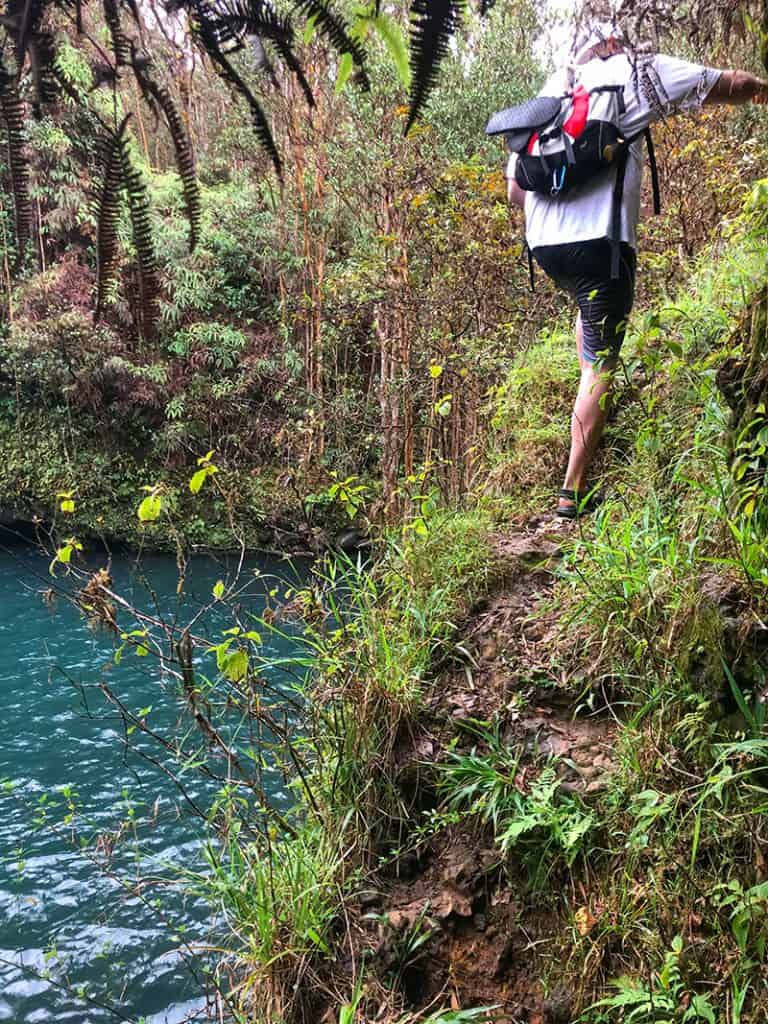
{"points": [[584, 270]]}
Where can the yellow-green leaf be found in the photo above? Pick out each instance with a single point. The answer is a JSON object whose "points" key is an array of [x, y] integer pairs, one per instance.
{"points": [[150, 508], [394, 41], [346, 66], [198, 480], [236, 666], [218, 590], [444, 405], [309, 30], [435, 371]]}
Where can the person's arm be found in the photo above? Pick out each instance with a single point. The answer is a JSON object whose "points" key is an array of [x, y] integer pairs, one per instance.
{"points": [[736, 88], [515, 195]]}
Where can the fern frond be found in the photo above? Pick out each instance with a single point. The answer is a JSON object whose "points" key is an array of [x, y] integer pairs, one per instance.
{"points": [[149, 278], [254, 18], [121, 46], [23, 21], [107, 215], [205, 28], [278, 30], [12, 111], [433, 23], [182, 144], [41, 50], [336, 32]]}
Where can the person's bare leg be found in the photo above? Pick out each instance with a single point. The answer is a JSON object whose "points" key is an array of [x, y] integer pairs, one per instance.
{"points": [[580, 340], [590, 412]]}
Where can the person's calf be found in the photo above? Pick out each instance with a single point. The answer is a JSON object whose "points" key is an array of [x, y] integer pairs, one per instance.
{"points": [[587, 423]]}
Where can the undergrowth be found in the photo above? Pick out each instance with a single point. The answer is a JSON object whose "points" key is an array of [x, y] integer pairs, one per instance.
{"points": [[657, 884]]}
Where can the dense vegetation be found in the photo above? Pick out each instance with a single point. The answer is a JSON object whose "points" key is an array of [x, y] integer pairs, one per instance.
{"points": [[357, 342]]}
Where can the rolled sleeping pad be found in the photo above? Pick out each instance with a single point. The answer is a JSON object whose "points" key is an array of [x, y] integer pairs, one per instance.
{"points": [[528, 116]]}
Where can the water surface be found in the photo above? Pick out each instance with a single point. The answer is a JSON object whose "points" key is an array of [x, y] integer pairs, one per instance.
{"points": [[80, 937]]}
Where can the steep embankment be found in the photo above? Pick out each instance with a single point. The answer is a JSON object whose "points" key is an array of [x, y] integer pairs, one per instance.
{"points": [[565, 795]]}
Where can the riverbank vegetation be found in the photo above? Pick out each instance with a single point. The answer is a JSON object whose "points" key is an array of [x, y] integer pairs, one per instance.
{"points": [[527, 761]]}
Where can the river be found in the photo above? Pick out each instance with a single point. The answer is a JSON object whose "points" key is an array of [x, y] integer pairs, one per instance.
{"points": [[80, 938]]}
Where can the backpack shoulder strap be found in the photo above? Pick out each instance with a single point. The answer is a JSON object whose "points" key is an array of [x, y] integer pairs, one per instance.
{"points": [[618, 195], [654, 171]]}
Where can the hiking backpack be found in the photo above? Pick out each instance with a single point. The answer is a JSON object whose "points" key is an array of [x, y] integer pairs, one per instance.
{"points": [[564, 141]]}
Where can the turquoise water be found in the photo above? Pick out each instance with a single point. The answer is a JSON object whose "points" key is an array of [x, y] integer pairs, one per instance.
{"points": [[80, 939]]}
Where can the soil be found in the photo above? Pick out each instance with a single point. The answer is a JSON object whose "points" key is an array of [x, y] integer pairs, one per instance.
{"points": [[483, 942]]}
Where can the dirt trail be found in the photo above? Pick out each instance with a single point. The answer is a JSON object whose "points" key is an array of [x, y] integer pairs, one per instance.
{"points": [[485, 947]]}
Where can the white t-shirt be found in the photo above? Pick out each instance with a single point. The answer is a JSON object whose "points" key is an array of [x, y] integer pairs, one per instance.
{"points": [[586, 211]]}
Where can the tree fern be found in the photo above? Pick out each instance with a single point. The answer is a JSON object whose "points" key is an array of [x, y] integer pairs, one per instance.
{"points": [[107, 215], [23, 23], [121, 46], [260, 20], [433, 24], [12, 110], [207, 28], [185, 158], [336, 31], [149, 279]]}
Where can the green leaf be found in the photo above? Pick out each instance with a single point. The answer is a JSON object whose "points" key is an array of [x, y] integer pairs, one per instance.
{"points": [[236, 666], [700, 1009], [346, 66], [200, 477], [314, 935], [435, 371], [67, 505], [444, 406], [218, 590], [394, 40], [150, 508], [309, 30]]}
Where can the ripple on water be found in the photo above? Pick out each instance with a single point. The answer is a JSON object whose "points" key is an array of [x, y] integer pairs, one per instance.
{"points": [[58, 911]]}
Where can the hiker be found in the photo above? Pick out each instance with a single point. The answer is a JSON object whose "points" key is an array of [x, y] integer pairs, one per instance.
{"points": [[574, 237]]}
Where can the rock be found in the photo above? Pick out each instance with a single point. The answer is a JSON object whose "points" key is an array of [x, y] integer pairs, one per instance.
{"points": [[407, 866], [459, 869], [404, 917], [720, 589], [597, 786], [489, 650], [351, 541], [425, 748], [452, 902], [558, 1009]]}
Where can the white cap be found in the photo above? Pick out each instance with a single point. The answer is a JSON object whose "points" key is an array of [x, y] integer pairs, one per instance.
{"points": [[593, 36]]}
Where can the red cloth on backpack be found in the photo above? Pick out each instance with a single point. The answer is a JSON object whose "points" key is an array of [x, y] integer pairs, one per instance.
{"points": [[577, 122]]}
